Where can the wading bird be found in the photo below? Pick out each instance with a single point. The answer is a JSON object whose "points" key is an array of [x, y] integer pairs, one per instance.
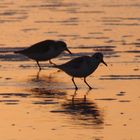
{"points": [[44, 50], [82, 67]]}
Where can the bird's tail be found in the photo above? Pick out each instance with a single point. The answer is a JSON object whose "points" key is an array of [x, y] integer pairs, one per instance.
{"points": [[22, 51], [17, 51]]}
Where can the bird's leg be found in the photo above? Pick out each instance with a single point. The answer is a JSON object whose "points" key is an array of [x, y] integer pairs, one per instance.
{"points": [[87, 83], [74, 83], [51, 62], [38, 65]]}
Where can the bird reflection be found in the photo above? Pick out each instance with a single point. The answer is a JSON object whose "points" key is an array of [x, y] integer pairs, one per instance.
{"points": [[39, 73], [45, 88], [44, 80], [83, 111], [85, 96], [47, 93]]}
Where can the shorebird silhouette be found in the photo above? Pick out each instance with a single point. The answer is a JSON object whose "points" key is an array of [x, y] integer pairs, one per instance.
{"points": [[44, 50], [82, 67]]}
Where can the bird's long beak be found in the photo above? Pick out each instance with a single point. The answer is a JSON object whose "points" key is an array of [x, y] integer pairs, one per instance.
{"points": [[104, 62], [68, 51]]}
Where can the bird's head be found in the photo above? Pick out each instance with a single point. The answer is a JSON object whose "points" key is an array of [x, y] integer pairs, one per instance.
{"points": [[99, 57], [63, 46]]}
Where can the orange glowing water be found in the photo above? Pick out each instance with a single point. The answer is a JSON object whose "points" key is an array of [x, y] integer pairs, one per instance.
{"points": [[40, 106]]}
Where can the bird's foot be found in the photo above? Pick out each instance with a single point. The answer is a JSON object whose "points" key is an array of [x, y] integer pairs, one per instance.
{"points": [[90, 88]]}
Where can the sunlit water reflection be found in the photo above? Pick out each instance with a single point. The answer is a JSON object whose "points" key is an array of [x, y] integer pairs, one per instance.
{"points": [[42, 105]]}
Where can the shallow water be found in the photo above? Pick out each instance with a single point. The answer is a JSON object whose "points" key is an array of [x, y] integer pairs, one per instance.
{"points": [[41, 105]]}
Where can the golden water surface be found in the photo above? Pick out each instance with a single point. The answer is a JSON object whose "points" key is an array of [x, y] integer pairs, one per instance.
{"points": [[40, 106]]}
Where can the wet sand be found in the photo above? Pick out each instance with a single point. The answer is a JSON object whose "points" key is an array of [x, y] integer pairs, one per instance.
{"points": [[41, 106]]}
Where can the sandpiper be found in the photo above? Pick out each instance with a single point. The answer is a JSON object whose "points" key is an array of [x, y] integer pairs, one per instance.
{"points": [[44, 50], [82, 66]]}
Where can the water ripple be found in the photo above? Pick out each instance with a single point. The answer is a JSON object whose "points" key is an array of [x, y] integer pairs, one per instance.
{"points": [[120, 77]]}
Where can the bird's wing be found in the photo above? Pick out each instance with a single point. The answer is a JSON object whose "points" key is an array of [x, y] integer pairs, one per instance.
{"points": [[75, 63], [39, 47]]}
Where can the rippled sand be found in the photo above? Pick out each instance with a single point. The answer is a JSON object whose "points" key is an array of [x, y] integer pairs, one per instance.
{"points": [[42, 105]]}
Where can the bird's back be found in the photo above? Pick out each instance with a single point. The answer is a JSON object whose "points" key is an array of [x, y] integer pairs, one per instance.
{"points": [[75, 63], [42, 46]]}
